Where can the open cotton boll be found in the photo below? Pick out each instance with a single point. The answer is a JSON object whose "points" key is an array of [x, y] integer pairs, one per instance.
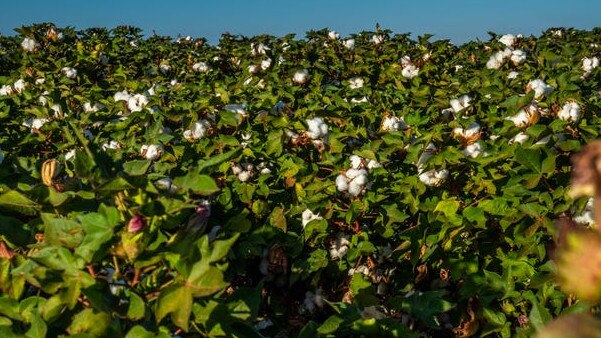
{"points": [[460, 103], [333, 35], [508, 40], [201, 67], [587, 217], [520, 137], [349, 43], [360, 180], [356, 161], [570, 112], [469, 134], [237, 108], [339, 247], [426, 155], [588, 64], [393, 123], [495, 61], [434, 177], [318, 129], [69, 72], [473, 150], [265, 64], [164, 68], [300, 76], [354, 188], [372, 164], [526, 116], [121, 96], [342, 183], [377, 39], [19, 85], [112, 144], [518, 56], [29, 45], [410, 71], [137, 102], [356, 82], [258, 49], [512, 75], [34, 123], [308, 216], [151, 152], [6, 90], [199, 130], [539, 87]]}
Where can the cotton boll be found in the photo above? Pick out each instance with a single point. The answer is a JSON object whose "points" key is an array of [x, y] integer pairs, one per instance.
{"points": [[495, 61], [349, 43], [35, 123], [518, 56], [29, 45], [372, 164], [19, 85], [393, 123], [356, 82], [352, 173], [201, 67], [434, 177], [426, 155], [237, 108], [539, 87], [361, 100], [332, 35], [354, 188], [356, 161], [258, 49], [164, 68], [137, 102], [6, 90], [342, 183], [520, 137], [244, 176], [360, 180], [300, 76], [588, 64], [70, 72], [410, 71], [253, 69], [377, 39], [112, 144], [587, 217], [308, 216], [520, 119], [122, 96], [570, 112], [317, 128], [473, 150], [460, 103], [152, 152], [265, 64], [508, 40]]}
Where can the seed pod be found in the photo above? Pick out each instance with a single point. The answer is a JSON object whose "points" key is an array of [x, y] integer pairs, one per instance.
{"points": [[50, 169]]}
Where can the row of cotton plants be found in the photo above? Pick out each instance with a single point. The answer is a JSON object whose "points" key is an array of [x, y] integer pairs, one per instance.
{"points": [[287, 186]]}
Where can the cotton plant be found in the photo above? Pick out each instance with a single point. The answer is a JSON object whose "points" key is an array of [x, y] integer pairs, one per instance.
{"points": [[198, 130], [151, 152], [377, 39]]}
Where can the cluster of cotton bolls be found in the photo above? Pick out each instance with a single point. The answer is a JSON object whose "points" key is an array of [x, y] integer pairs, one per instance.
{"points": [[410, 70], [308, 216], [431, 177], [469, 137], [517, 56], [201, 67], [588, 64], [393, 123], [198, 130], [17, 87], [245, 171], [339, 247], [151, 151], [354, 181]]}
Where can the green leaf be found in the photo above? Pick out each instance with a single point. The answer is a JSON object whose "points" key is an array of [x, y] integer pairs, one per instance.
{"points": [[220, 249], [199, 184], [13, 200], [530, 158], [176, 300], [137, 306], [62, 231], [136, 167], [330, 325], [84, 165], [91, 322], [98, 230], [116, 184]]}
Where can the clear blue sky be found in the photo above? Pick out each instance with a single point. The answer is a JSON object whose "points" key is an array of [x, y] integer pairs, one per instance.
{"points": [[459, 21]]}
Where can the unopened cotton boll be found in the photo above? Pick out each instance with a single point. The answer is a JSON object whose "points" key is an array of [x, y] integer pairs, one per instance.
{"points": [[151, 152], [570, 112], [300, 76], [356, 82], [410, 71], [69, 72]]}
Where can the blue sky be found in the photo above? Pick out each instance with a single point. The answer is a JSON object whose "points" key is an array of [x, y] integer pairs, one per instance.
{"points": [[459, 21]]}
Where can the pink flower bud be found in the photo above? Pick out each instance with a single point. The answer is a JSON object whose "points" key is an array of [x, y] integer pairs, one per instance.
{"points": [[136, 224]]}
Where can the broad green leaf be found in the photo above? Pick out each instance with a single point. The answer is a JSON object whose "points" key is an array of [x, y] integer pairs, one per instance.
{"points": [[199, 184], [136, 167], [14, 201]]}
